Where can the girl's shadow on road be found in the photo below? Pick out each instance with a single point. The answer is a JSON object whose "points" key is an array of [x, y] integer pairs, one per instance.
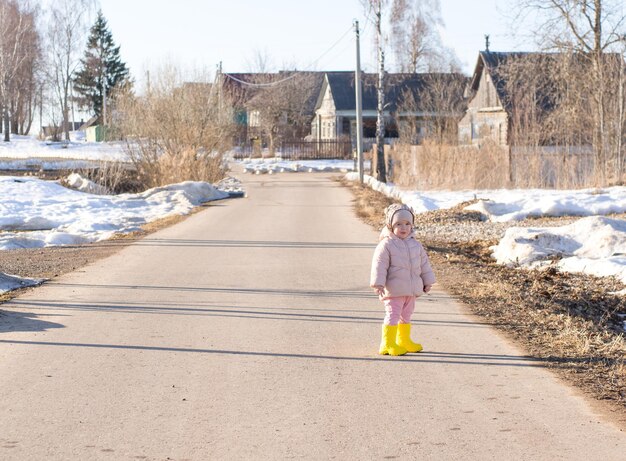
{"points": [[24, 321]]}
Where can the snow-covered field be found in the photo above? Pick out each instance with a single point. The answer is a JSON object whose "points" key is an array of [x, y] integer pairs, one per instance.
{"points": [[36, 213], [28, 150]]}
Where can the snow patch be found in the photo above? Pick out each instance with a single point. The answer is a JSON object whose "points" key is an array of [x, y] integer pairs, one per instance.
{"points": [[36, 213], [515, 205], [595, 245], [278, 165], [76, 181], [12, 282]]}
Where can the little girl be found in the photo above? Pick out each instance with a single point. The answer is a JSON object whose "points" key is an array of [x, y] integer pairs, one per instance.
{"points": [[400, 272]]}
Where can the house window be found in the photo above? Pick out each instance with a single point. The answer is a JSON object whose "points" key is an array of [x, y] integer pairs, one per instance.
{"points": [[254, 118]]}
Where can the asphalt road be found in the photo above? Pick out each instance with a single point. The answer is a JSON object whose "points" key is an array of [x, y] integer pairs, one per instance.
{"points": [[248, 332]]}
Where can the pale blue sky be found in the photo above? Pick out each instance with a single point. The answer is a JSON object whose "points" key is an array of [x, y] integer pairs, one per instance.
{"points": [[198, 34]]}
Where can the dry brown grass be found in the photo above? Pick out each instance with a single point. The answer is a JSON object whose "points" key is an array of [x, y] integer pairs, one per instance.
{"points": [[368, 205], [177, 131], [434, 166], [567, 320], [491, 166]]}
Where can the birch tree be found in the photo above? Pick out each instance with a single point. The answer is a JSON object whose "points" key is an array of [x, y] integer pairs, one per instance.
{"points": [[27, 81], [17, 23], [374, 10], [66, 33], [414, 37]]}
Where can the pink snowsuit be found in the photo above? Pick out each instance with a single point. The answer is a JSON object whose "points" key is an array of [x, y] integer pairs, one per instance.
{"points": [[403, 268]]}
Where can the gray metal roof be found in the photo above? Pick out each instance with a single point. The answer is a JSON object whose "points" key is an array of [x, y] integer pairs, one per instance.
{"points": [[396, 86]]}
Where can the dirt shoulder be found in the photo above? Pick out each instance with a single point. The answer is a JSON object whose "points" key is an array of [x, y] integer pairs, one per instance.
{"points": [[569, 321], [51, 262]]}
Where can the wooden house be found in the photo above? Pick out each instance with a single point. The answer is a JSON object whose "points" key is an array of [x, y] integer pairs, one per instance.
{"points": [[326, 106], [408, 99], [508, 92], [255, 96], [486, 116]]}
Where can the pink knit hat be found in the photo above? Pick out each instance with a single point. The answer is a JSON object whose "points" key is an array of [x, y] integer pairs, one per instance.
{"points": [[402, 215], [397, 212]]}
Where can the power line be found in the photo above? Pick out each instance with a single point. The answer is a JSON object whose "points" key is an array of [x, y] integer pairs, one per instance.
{"points": [[307, 68], [260, 85], [332, 46]]}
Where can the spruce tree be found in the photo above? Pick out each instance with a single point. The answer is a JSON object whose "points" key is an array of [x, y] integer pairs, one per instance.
{"points": [[101, 68]]}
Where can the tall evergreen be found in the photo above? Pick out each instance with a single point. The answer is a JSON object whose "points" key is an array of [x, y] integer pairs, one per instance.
{"points": [[101, 68]]}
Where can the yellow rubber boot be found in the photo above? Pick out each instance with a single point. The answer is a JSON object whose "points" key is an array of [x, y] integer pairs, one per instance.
{"points": [[404, 338], [388, 344]]}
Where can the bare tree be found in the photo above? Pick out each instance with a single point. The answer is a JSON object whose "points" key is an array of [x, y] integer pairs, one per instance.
{"points": [[590, 29], [17, 24], [414, 37], [175, 131], [261, 61], [67, 28], [588, 26], [374, 10], [283, 105], [439, 104], [27, 81]]}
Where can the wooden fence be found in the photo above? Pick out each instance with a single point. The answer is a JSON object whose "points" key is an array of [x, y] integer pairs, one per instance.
{"points": [[490, 167]]}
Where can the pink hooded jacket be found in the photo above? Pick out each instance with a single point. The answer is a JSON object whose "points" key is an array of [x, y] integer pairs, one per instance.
{"points": [[401, 266]]}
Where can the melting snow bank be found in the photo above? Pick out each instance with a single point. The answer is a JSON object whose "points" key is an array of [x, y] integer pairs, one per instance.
{"points": [[420, 202], [76, 181], [502, 205], [515, 205], [46, 214], [11, 282], [594, 245], [232, 186]]}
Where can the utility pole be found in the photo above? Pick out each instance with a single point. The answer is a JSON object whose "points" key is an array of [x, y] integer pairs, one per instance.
{"points": [[359, 107], [219, 92], [620, 125], [381, 170]]}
